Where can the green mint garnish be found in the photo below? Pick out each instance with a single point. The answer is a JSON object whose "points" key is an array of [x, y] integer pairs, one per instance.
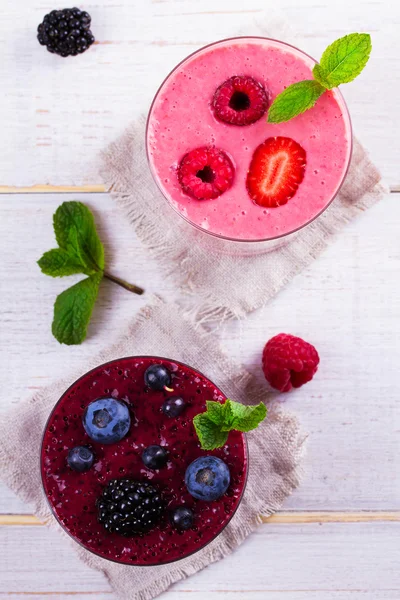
{"points": [[294, 100], [213, 426], [80, 251], [341, 62], [210, 435]]}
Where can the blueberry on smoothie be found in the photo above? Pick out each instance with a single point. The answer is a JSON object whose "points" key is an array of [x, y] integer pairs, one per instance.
{"points": [[106, 420], [157, 377], [174, 406], [80, 459], [154, 457], [182, 518], [207, 478]]}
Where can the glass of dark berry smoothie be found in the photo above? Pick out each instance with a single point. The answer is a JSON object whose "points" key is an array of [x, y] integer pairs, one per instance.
{"points": [[122, 467]]}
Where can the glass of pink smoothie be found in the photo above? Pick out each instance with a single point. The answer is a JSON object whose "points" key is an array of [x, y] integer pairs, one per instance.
{"points": [[184, 118]]}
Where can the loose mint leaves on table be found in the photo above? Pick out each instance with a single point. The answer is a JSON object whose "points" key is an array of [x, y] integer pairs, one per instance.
{"points": [[213, 426], [79, 251], [341, 62]]}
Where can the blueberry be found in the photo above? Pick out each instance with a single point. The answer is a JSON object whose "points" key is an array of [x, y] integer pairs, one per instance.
{"points": [[182, 518], [157, 377], [154, 457], [106, 420], [207, 478], [80, 459], [173, 406]]}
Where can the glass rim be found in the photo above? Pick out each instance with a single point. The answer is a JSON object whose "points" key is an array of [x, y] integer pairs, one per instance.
{"points": [[346, 116], [51, 506]]}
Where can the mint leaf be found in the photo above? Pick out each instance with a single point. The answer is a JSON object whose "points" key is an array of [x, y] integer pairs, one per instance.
{"points": [[212, 427], [209, 433], [73, 309], [246, 418], [294, 100], [215, 412], [58, 263], [76, 233], [343, 60]]}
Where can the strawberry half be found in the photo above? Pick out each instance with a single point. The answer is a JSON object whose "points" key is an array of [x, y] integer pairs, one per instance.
{"points": [[276, 171]]}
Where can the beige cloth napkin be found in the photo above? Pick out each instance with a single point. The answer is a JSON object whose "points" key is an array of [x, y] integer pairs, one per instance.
{"points": [[275, 448], [224, 285]]}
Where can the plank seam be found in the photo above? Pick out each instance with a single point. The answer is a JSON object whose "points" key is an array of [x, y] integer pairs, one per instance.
{"points": [[95, 188], [282, 518]]}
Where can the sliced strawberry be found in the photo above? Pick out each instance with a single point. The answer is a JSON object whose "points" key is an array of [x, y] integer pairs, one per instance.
{"points": [[206, 172], [276, 171]]}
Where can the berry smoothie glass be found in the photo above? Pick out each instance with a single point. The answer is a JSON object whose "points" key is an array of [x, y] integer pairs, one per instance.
{"points": [[115, 474], [222, 167]]}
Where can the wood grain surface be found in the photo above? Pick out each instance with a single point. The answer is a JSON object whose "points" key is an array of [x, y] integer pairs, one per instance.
{"points": [[337, 537]]}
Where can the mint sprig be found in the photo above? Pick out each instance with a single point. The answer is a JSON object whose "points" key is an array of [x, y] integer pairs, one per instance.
{"points": [[213, 426], [80, 251], [341, 62]]}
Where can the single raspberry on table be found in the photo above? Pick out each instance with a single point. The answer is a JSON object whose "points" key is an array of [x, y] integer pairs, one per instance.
{"points": [[289, 362], [206, 172]]}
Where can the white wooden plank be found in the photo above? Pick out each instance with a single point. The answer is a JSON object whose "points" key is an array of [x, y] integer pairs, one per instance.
{"points": [[60, 113], [330, 561], [347, 304], [223, 595], [42, 561]]}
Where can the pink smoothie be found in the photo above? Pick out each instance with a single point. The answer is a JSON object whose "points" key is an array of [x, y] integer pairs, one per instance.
{"points": [[181, 119]]}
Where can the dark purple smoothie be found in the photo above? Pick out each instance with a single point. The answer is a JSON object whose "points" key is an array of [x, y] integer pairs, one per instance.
{"points": [[73, 495]]}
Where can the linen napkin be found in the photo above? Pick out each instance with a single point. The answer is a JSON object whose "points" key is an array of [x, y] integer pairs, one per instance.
{"points": [[275, 448], [225, 285]]}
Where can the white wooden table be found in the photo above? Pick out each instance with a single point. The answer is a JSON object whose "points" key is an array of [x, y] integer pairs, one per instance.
{"points": [[338, 538]]}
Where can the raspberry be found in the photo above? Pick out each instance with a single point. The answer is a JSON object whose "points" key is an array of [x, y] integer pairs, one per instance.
{"points": [[240, 100], [288, 361], [206, 173]]}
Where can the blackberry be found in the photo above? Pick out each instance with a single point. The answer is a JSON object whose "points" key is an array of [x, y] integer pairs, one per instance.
{"points": [[66, 32], [129, 507]]}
